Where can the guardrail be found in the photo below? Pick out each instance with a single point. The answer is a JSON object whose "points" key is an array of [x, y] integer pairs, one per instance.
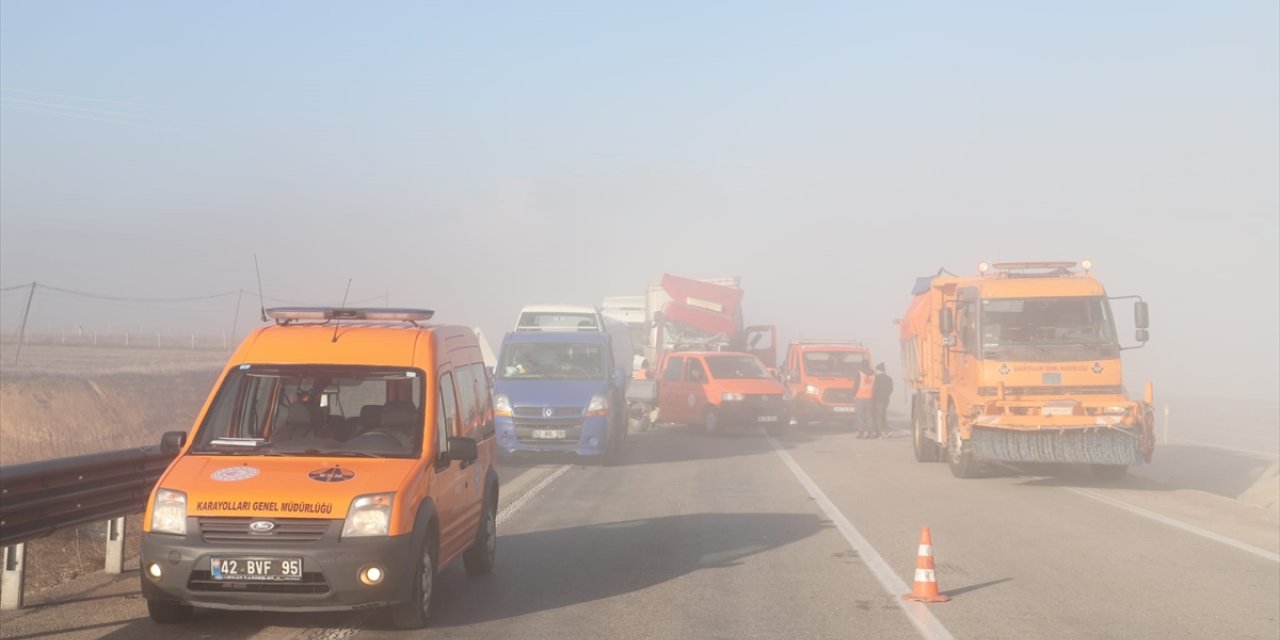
{"points": [[39, 498]]}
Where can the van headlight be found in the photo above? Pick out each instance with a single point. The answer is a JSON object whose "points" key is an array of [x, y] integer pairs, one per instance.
{"points": [[501, 405], [811, 389], [599, 406], [729, 396], [169, 514], [368, 516]]}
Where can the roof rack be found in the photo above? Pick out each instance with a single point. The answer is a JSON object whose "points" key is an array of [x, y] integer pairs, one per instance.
{"points": [[290, 315], [848, 342]]}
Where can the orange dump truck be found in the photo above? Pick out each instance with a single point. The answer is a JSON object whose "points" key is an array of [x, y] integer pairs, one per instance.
{"points": [[1021, 364]]}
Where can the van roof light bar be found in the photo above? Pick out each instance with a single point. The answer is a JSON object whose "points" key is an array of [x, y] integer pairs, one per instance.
{"points": [[288, 315], [1023, 266]]}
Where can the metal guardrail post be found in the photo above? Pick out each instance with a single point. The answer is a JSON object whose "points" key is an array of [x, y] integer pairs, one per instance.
{"points": [[115, 546], [15, 576]]}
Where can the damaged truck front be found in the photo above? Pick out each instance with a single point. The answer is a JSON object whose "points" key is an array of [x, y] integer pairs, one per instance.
{"points": [[1021, 364]]}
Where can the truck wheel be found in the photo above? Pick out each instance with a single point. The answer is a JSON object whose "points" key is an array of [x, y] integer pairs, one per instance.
{"points": [[1109, 471], [711, 423], [926, 450], [960, 453], [483, 554], [168, 612], [414, 613]]}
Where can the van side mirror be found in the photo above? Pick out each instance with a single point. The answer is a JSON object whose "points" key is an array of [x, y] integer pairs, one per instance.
{"points": [[1142, 335], [462, 449], [172, 442], [1141, 319], [947, 321]]}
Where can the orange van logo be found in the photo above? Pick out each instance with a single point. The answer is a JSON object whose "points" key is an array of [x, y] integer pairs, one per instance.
{"points": [[332, 474], [235, 474]]}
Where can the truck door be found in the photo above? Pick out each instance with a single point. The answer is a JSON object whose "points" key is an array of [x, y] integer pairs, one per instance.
{"points": [[762, 342], [671, 391]]}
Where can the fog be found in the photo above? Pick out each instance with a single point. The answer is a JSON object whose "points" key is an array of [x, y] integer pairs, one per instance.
{"points": [[475, 159]]}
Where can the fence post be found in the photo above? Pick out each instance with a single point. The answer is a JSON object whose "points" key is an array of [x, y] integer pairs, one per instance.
{"points": [[15, 574], [115, 546]]}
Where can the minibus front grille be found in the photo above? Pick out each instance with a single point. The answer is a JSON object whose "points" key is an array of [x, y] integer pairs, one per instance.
{"points": [[219, 530]]}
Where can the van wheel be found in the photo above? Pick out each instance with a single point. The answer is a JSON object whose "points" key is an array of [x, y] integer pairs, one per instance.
{"points": [[960, 453], [168, 612], [414, 613], [711, 423], [482, 555]]}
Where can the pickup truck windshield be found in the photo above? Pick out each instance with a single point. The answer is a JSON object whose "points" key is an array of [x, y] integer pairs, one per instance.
{"points": [[552, 361], [1024, 322], [833, 364], [736, 367], [315, 411]]}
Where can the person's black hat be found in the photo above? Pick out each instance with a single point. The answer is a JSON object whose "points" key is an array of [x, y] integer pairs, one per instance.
{"points": [[880, 367]]}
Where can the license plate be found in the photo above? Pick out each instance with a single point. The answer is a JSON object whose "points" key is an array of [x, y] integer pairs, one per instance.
{"points": [[844, 409], [266, 569], [767, 419], [549, 434]]}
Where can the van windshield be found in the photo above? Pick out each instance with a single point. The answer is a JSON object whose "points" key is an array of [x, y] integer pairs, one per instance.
{"points": [[552, 361], [542, 321], [834, 364], [736, 367], [315, 411]]}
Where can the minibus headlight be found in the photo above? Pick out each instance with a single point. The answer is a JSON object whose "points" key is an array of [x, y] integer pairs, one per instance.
{"points": [[501, 405], [599, 406], [368, 516], [169, 515]]}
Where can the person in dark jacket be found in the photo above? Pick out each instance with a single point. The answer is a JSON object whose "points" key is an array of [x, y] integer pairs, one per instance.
{"points": [[881, 391]]}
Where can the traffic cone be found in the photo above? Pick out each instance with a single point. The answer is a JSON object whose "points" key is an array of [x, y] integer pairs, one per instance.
{"points": [[925, 588]]}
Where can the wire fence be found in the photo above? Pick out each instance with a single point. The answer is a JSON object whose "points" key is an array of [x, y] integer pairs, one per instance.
{"points": [[41, 314]]}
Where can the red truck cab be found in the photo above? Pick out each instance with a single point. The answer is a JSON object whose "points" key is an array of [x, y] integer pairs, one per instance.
{"points": [[719, 389], [819, 378]]}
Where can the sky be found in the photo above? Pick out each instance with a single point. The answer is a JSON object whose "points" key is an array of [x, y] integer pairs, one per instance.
{"points": [[475, 157]]}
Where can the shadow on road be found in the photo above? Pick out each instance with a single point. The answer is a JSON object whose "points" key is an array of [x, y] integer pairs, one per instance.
{"points": [[547, 570]]}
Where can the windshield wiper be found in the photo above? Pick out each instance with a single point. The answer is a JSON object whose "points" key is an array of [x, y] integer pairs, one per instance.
{"points": [[346, 453]]}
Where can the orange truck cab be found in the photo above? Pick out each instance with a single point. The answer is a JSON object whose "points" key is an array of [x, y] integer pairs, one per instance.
{"points": [[719, 389], [343, 458], [819, 377]]}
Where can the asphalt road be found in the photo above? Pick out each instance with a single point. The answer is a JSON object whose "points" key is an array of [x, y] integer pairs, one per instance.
{"points": [[812, 535]]}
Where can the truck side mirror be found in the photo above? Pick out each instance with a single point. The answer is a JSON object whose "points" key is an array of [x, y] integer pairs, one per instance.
{"points": [[172, 442], [1142, 335], [1141, 319], [947, 321]]}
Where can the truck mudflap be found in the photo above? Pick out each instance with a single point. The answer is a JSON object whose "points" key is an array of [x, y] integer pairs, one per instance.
{"points": [[1102, 445]]}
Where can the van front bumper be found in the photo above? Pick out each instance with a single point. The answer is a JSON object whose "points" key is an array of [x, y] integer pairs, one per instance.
{"points": [[330, 581]]}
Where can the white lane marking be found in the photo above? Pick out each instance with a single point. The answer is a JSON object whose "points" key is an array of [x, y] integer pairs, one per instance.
{"points": [[1177, 524], [518, 503], [917, 612]]}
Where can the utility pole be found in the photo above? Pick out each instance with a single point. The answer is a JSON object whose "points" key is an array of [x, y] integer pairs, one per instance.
{"points": [[22, 330]]}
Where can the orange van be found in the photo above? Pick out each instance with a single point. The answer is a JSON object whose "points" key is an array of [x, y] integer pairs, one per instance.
{"points": [[719, 389], [344, 457], [819, 379]]}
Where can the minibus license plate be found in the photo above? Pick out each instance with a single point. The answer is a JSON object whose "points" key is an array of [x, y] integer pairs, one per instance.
{"points": [[266, 569], [767, 419], [549, 434]]}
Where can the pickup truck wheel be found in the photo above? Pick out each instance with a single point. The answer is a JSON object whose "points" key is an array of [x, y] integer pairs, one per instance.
{"points": [[168, 612], [711, 423], [414, 613], [483, 554], [960, 454]]}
